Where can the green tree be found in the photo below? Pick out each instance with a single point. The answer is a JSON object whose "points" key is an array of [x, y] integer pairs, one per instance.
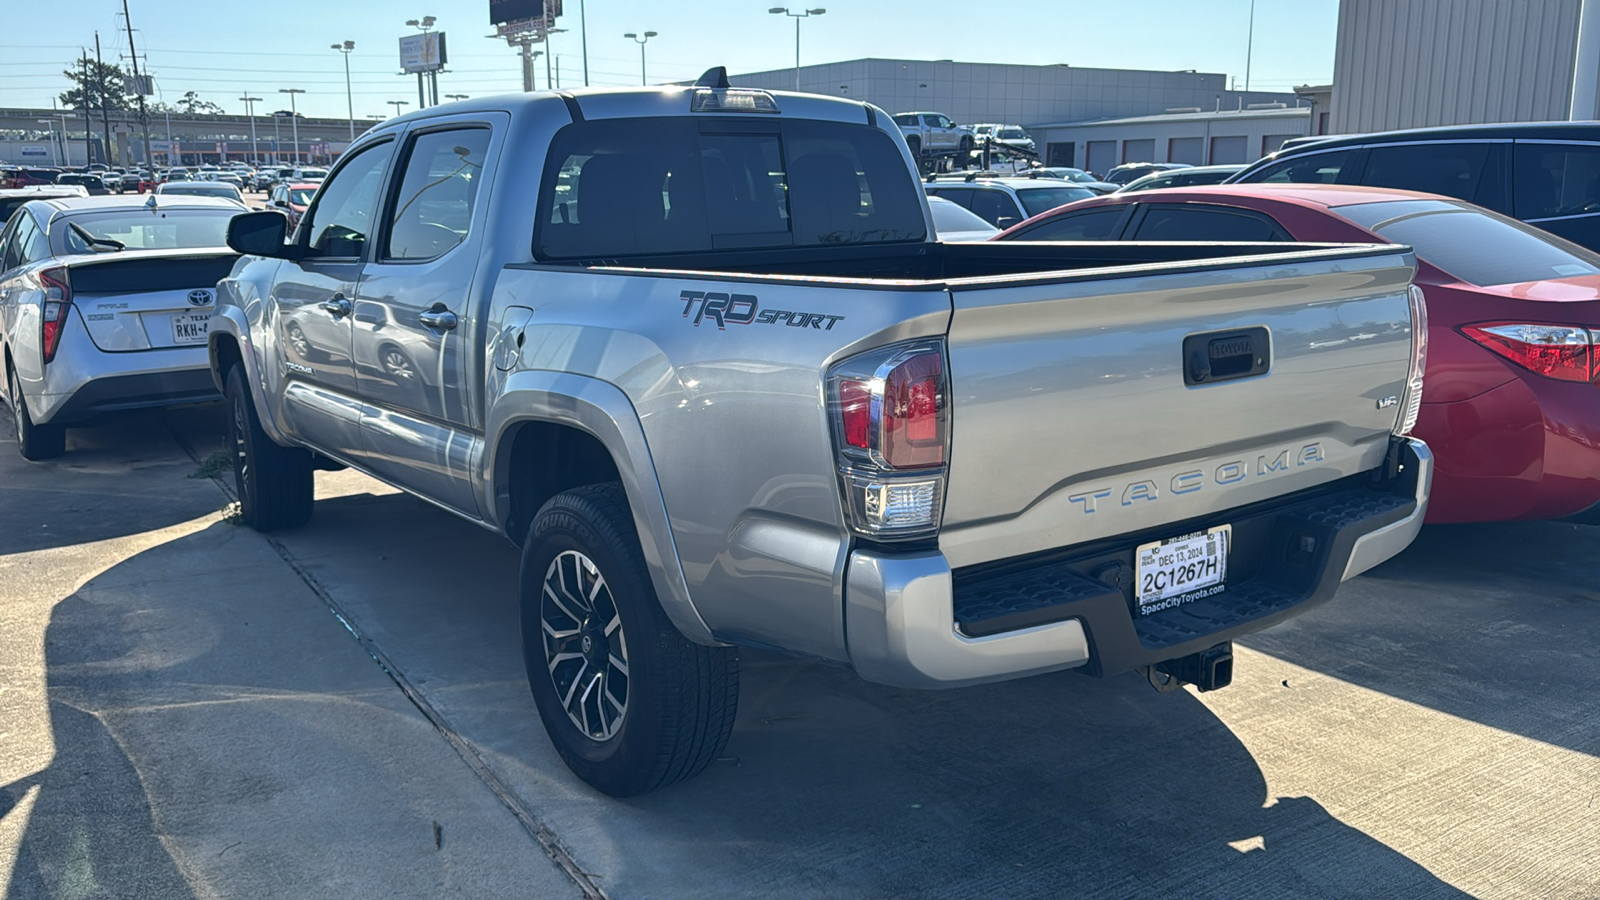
{"points": [[93, 83], [191, 104]]}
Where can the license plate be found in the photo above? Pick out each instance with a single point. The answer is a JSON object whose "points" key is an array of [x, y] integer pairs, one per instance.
{"points": [[190, 328], [1177, 570]]}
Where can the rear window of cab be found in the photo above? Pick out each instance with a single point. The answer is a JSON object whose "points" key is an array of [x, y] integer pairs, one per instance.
{"points": [[681, 184]]}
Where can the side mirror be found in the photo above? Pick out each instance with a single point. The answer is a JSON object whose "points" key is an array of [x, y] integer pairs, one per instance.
{"points": [[1005, 222], [281, 204], [260, 234]]}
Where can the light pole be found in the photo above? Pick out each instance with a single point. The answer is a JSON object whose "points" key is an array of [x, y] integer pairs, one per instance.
{"points": [[641, 41], [250, 110], [802, 14], [294, 119], [349, 98], [1249, 45], [455, 96], [397, 104], [55, 157], [423, 25]]}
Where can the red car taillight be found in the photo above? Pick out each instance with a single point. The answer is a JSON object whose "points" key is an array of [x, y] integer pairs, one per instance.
{"points": [[890, 416], [1561, 352], [53, 311]]}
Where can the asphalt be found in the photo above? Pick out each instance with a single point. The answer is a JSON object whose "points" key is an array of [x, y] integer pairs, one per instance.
{"points": [[183, 714]]}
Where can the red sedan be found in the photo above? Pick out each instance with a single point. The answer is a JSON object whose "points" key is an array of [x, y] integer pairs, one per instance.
{"points": [[1511, 403]]}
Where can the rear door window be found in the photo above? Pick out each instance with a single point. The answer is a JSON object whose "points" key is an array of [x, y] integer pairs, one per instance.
{"points": [[433, 209], [997, 208], [1199, 222], [637, 187], [1312, 168], [1103, 223], [1553, 180], [1438, 167], [960, 196]]}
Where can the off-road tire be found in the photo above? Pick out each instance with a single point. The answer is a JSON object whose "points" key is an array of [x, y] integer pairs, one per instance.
{"points": [[680, 696], [274, 483], [916, 147], [36, 442]]}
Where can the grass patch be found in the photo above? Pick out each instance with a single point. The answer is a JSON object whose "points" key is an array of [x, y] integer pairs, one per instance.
{"points": [[214, 465]]}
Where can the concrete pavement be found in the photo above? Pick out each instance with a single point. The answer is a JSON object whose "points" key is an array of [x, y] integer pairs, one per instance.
{"points": [[184, 697]]}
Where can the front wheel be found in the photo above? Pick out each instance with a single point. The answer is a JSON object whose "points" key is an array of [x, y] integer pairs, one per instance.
{"points": [[274, 483], [630, 703]]}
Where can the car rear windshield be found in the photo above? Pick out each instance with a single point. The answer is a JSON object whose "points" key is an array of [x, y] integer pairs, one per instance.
{"points": [[670, 185], [1037, 200], [141, 229], [1472, 244]]}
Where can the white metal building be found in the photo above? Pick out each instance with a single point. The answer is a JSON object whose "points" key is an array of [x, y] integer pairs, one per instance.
{"points": [[1014, 94], [1419, 63], [1196, 138]]}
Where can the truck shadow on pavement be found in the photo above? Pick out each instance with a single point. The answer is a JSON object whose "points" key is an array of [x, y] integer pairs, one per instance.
{"points": [[1059, 785], [1493, 623], [86, 491]]}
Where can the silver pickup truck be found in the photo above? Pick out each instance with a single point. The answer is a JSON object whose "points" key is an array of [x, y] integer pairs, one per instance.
{"points": [[693, 349]]}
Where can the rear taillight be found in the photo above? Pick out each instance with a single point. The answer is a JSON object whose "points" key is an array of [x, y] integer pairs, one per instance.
{"points": [[890, 415], [53, 311], [1419, 364], [1555, 351]]}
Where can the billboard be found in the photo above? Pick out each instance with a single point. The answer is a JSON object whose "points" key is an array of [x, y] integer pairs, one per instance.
{"points": [[503, 11], [423, 52], [141, 85]]}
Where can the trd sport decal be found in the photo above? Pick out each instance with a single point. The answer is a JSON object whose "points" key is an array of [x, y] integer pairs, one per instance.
{"points": [[744, 309]]}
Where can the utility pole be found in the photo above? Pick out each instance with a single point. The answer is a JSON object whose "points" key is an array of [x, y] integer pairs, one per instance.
{"points": [[277, 140], [88, 120], [105, 99], [250, 110], [144, 116], [583, 30]]}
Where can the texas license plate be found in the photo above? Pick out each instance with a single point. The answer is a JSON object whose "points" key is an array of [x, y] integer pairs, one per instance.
{"points": [[1177, 570], [190, 328]]}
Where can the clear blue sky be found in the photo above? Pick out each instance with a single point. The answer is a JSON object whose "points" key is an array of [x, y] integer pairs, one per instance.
{"points": [[223, 49]]}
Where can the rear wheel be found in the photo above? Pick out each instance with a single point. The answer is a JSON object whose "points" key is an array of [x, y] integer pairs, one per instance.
{"points": [[274, 483], [916, 146], [36, 442], [629, 702]]}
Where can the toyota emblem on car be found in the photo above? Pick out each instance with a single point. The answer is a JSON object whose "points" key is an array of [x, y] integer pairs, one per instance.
{"points": [[200, 298]]}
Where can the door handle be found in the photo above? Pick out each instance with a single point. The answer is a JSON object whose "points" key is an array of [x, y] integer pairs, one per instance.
{"points": [[438, 317], [336, 305]]}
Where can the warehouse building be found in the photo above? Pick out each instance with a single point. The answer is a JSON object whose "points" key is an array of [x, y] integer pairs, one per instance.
{"points": [[1410, 64], [1013, 94], [1192, 136]]}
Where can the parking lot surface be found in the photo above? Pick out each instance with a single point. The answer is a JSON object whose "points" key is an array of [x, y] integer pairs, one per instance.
{"points": [[182, 713]]}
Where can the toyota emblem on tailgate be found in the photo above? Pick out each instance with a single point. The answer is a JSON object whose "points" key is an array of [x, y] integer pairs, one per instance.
{"points": [[200, 298]]}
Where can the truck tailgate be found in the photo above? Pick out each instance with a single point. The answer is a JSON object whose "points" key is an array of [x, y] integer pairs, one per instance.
{"points": [[1074, 417]]}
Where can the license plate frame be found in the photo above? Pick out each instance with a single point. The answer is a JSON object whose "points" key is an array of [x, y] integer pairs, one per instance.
{"points": [[1181, 569], [184, 336]]}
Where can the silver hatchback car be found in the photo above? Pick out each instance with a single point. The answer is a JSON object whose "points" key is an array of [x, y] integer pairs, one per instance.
{"points": [[105, 303]]}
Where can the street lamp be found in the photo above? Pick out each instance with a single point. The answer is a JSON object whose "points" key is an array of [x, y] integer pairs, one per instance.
{"points": [[397, 104], [349, 98], [455, 96], [802, 14], [250, 110], [641, 41], [294, 119]]}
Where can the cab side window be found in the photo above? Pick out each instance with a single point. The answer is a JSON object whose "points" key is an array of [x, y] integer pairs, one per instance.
{"points": [[341, 220], [997, 208], [433, 210]]}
